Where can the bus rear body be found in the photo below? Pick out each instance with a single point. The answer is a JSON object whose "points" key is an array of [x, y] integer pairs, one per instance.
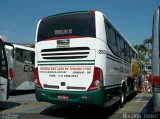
{"points": [[71, 61]]}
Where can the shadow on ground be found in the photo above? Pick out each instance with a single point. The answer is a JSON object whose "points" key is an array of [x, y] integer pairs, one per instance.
{"points": [[75, 112], [21, 92], [83, 112], [8, 105]]}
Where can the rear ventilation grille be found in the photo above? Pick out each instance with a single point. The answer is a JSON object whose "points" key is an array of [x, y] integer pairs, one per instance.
{"points": [[65, 53]]}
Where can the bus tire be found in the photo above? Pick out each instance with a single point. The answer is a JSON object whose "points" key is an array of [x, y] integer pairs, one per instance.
{"points": [[122, 99]]}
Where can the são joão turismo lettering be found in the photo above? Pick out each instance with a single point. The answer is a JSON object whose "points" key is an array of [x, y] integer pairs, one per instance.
{"points": [[65, 68]]}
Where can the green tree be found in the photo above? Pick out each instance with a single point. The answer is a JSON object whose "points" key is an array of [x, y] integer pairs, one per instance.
{"points": [[144, 50], [148, 43], [141, 48]]}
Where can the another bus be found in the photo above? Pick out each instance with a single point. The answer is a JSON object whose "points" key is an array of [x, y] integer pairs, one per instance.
{"points": [[82, 59], [22, 60], [5, 73], [156, 59]]}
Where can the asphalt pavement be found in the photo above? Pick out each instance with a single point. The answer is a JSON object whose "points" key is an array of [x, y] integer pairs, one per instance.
{"points": [[25, 106]]}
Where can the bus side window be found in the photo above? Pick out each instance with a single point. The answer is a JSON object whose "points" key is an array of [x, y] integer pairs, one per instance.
{"points": [[19, 55], [133, 54], [118, 44], [125, 50], [107, 30], [112, 41], [3, 67], [130, 50], [122, 48]]}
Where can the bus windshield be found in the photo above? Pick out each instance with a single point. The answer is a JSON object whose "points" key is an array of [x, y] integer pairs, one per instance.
{"points": [[74, 25]]}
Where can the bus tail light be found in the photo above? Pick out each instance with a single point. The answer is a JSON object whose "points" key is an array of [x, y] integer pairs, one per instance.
{"points": [[43, 18], [97, 81], [91, 11], [156, 81], [36, 77], [10, 73]]}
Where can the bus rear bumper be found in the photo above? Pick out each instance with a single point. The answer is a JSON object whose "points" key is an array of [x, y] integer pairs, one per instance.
{"points": [[90, 98]]}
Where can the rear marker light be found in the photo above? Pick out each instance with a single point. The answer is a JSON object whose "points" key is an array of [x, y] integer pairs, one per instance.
{"points": [[11, 73], [43, 18], [91, 11], [97, 81], [36, 77]]}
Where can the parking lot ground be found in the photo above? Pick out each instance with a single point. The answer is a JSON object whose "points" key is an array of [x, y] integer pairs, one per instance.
{"points": [[138, 107], [25, 106], [23, 103]]}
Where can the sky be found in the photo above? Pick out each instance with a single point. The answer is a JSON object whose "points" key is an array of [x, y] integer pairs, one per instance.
{"points": [[19, 18]]}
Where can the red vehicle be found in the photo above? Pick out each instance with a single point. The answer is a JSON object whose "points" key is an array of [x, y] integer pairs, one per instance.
{"points": [[150, 78]]}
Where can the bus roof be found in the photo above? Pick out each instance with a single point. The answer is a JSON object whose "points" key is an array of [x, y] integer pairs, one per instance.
{"points": [[23, 47], [67, 13]]}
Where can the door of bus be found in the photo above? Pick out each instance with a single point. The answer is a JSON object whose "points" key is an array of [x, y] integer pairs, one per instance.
{"points": [[29, 66], [4, 80], [24, 70]]}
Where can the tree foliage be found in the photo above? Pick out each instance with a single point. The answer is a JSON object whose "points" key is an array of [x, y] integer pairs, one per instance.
{"points": [[144, 49]]}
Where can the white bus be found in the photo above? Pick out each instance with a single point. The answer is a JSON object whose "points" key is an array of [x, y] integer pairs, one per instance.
{"points": [[82, 59], [6, 73], [22, 60], [156, 59]]}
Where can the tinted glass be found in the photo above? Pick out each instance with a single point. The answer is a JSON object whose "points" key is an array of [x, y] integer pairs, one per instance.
{"points": [[118, 44], [3, 61], [122, 49], [24, 56], [67, 25], [112, 41]]}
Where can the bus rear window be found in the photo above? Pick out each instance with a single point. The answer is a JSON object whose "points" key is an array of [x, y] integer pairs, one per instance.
{"points": [[82, 25]]}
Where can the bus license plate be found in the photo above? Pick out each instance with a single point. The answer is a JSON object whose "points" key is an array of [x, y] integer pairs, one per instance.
{"points": [[64, 97]]}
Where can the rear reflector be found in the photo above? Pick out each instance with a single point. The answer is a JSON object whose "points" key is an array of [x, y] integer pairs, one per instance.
{"points": [[91, 11], [36, 77], [97, 81], [11, 73], [43, 18]]}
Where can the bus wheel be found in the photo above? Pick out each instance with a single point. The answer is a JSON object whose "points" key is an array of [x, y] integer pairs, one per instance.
{"points": [[122, 99]]}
